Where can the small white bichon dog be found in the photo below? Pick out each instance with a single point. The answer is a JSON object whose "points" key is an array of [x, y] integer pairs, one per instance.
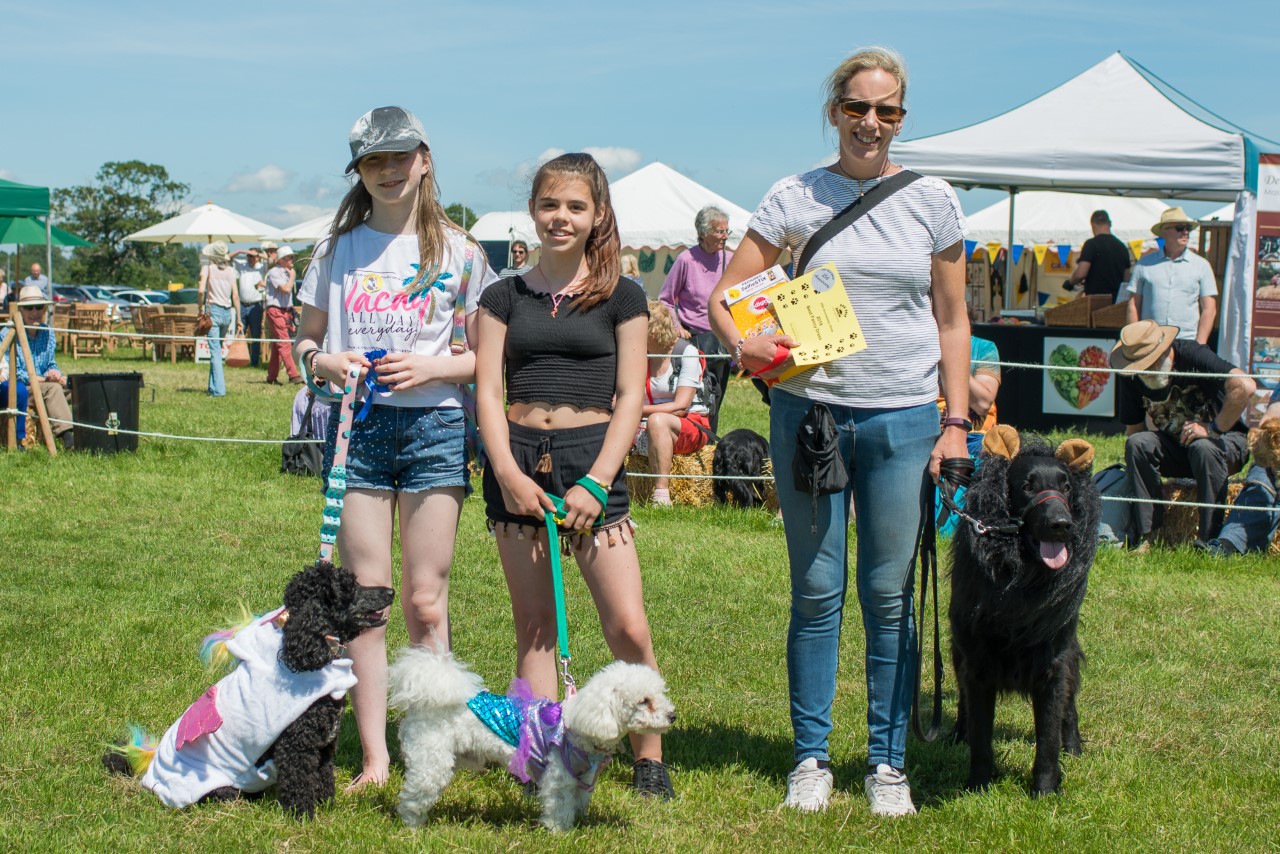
{"points": [[450, 721]]}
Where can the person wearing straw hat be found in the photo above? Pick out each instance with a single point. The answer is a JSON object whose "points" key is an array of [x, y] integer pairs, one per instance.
{"points": [[1181, 404], [1175, 286], [34, 306], [218, 295]]}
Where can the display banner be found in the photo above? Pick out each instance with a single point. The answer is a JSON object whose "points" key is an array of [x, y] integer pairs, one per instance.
{"points": [[1264, 350]]}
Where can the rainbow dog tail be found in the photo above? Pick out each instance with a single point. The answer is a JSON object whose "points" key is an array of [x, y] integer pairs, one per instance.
{"points": [[134, 755]]}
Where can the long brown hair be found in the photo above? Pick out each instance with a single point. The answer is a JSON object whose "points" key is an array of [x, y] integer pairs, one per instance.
{"points": [[431, 223], [603, 244]]}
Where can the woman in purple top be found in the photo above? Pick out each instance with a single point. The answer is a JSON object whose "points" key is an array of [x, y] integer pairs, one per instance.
{"points": [[688, 287]]}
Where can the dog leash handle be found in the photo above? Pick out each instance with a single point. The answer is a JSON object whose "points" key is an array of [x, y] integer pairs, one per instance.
{"points": [[554, 517], [336, 487]]}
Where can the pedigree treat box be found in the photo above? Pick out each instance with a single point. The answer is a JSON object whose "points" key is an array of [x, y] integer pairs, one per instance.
{"points": [[750, 304]]}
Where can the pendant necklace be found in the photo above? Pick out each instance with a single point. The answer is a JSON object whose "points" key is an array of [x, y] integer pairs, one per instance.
{"points": [[860, 182], [556, 299]]}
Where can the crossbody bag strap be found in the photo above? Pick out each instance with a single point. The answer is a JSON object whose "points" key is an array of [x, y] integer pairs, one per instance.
{"points": [[306, 418], [860, 207]]}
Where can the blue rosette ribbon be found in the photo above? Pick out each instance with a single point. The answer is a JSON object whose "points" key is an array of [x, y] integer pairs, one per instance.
{"points": [[371, 384]]}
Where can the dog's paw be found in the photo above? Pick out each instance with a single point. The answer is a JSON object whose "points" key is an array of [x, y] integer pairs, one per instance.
{"points": [[1046, 784], [978, 783]]}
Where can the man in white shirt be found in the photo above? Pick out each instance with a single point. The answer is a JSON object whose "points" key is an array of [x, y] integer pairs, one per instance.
{"points": [[252, 272], [1175, 286]]}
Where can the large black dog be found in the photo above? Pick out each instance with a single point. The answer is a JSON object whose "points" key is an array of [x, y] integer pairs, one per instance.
{"points": [[1016, 596], [276, 716], [742, 453]]}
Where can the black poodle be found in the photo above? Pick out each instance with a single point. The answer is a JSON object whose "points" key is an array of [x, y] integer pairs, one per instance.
{"points": [[742, 453], [276, 716], [1016, 594]]}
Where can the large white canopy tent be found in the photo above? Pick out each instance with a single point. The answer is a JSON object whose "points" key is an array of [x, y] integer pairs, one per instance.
{"points": [[655, 207], [1142, 138], [1063, 219]]}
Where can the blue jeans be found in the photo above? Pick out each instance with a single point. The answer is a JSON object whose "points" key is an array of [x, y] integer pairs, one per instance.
{"points": [[886, 452], [221, 325], [1252, 530], [251, 320], [20, 427]]}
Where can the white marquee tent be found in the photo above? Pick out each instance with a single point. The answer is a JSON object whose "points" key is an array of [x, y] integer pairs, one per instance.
{"points": [[1063, 219], [655, 206], [1141, 139]]}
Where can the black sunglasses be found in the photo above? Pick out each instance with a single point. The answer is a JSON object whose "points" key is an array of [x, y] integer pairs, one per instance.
{"points": [[1181, 228], [856, 109]]}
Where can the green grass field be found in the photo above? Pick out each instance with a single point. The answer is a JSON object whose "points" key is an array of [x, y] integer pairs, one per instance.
{"points": [[114, 568]]}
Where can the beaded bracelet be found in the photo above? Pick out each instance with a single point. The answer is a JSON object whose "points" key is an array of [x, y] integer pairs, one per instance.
{"points": [[737, 351]]}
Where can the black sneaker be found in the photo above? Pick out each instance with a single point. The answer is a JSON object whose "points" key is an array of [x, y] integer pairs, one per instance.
{"points": [[649, 778]]}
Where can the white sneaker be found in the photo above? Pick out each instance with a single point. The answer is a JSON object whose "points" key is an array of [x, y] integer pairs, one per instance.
{"points": [[888, 791], [808, 787]]}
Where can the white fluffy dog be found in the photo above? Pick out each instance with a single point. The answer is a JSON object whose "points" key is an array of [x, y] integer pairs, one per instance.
{"points": [[561, 746]]}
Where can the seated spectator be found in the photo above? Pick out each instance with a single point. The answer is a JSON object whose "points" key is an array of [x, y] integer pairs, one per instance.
{"points": [[34, 305], [984, 384], [319, 414], [675, 416], [21, 405], [1251, 525], [1180, 423]]}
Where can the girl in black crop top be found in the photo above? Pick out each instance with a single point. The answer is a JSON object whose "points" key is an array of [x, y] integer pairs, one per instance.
{"points": [[568, 338]]}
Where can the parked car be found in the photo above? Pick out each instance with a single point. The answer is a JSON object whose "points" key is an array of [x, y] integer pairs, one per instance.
{"points": [[144, 297], [119, 309]]}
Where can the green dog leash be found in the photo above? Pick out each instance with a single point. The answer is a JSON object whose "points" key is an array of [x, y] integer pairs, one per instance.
{"points": [[554, 518]]}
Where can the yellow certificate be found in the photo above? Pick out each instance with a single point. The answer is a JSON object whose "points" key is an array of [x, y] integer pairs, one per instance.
{"points": [[814, 309]]}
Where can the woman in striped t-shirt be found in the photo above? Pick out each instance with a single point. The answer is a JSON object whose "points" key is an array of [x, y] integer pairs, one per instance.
{"points": [[903, 266]]}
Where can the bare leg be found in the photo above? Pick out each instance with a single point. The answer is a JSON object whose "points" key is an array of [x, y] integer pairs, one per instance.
{"points": [[663, 429], [428, 531], [364, 544], [527, 566], [612, 573]]}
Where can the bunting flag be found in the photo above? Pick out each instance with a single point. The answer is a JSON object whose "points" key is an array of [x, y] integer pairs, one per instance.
{"points": [[1135, 246], [993, 249], [1064, 252], [969, 246], [1042, 297], [1040, 251], [1017, 252], [1160, 243]]}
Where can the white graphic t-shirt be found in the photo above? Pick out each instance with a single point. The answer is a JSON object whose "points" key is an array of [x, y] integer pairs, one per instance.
{"points": [[364, 286]]}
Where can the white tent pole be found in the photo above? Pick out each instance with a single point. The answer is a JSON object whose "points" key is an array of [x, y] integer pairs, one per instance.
{"points": [[1008, 254]]}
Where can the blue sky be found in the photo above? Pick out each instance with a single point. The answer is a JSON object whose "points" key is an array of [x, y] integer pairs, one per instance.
{"points": [[250, 103]]}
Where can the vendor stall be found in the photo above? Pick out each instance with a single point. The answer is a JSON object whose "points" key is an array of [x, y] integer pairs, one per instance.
{"points": [[1143, 139]]}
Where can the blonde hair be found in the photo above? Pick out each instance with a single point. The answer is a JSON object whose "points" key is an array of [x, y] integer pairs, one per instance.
{"points": [[629, 266], [864, 59], [357, 205], [662, 325], [603, 244]]}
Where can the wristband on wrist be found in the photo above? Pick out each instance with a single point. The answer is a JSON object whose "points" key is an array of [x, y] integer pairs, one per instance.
{"points": [[599, 491], [963, 423], [737, 351]]}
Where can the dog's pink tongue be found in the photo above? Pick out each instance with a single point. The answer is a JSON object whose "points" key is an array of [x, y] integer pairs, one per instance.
{"points": [[1054, 555]]}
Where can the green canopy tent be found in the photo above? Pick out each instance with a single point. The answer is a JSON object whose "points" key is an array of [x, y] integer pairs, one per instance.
{"points": [[26, 229], [21, 200]]}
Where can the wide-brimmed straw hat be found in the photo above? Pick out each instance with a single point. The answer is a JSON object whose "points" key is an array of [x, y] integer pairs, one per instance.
{"points": [[32, 295], [1173, 216], [1141, 345], [215, 251]]}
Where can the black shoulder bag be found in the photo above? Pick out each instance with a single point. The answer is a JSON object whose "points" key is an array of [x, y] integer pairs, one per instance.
{"points": [[298, 456]]}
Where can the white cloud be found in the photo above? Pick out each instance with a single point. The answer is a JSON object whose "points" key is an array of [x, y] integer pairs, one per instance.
{"points": [[268, 179], [616, 162], [292, 214], [6, 175], [320, 188]]}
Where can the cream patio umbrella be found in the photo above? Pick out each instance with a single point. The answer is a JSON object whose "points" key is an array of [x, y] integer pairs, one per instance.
{"points": [[204, 224], [305, 232]]}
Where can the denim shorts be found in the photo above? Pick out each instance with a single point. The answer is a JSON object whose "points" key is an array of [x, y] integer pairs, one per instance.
{"points": [[404, 449]]}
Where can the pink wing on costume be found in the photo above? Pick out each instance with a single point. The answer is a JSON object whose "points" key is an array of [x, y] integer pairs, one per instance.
{"points": [[200, 719]]}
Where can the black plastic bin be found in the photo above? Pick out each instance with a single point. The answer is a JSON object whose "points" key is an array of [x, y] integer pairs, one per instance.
{"points": [[110, 401]]}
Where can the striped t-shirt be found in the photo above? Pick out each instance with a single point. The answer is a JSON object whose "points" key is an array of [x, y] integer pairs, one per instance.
{"points": [[884, 261]]}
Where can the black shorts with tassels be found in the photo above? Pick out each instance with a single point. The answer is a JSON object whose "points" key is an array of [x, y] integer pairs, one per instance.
{"points": [[569, 455]]}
